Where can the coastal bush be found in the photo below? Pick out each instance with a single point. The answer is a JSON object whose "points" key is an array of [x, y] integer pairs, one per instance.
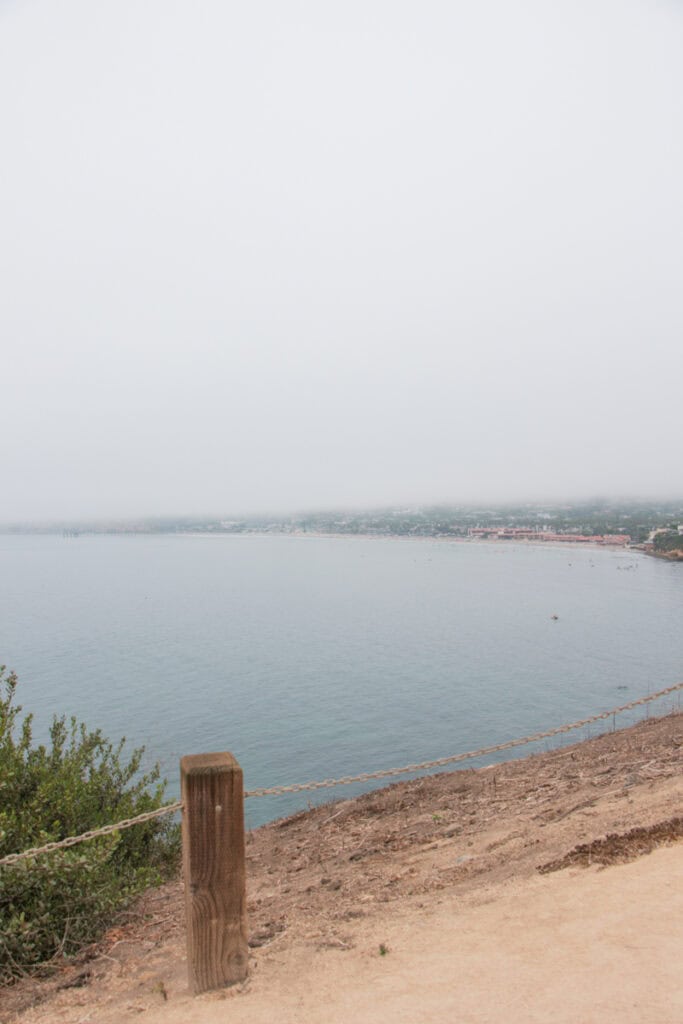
{"points": [[52, 905], [669, 541]]}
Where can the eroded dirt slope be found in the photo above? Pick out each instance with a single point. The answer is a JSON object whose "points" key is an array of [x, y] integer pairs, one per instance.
{"points": [[317, 878]]}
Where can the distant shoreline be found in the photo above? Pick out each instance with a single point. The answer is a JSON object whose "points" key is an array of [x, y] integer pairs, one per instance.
{"points": [[571, 545], [676, 555], [442, 538]]}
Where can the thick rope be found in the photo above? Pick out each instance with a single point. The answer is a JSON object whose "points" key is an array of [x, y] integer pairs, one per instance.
{"points": [[106, 830], [14, 858], [454, 758]]}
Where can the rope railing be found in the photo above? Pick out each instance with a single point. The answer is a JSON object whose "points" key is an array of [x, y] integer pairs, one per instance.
{"points": [[386, 773], [468, 756], [94, 833], [299, 787]]}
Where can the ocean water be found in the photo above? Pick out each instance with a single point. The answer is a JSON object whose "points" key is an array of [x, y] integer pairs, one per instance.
{"points": [[310, 657]]}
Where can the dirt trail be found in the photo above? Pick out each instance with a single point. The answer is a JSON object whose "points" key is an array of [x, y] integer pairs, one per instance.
{"points": [[443, 874]]}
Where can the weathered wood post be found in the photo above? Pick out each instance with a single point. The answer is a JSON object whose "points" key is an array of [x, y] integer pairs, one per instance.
{"points": [[214, 870]]}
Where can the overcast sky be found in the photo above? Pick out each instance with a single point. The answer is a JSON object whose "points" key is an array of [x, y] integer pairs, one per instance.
{"points": [[292, 254]]}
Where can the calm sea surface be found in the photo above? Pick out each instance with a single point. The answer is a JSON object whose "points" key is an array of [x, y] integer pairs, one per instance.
{"points": [[312, 657]]}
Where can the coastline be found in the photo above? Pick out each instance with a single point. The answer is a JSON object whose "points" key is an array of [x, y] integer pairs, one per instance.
{"points": [[668, 556], [440, 538]]}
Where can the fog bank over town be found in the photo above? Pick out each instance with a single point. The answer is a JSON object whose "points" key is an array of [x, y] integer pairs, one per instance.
{"points": [[281, 256]]}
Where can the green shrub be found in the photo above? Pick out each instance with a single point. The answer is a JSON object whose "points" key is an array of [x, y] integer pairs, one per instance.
{"points": [[51, 905], [670, 541]]}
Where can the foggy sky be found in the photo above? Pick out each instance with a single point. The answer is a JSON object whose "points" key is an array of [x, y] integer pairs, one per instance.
{"points": [[296, 253]]}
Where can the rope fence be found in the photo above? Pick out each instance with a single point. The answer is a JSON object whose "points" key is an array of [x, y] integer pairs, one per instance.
{"points": [[14, 858]]}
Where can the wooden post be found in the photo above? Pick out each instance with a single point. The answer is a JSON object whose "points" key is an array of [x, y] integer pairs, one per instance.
{"points": [[214, 870]]}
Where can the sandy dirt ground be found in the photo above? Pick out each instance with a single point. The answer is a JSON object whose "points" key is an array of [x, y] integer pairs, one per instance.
{"points": [[544, 888]]}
